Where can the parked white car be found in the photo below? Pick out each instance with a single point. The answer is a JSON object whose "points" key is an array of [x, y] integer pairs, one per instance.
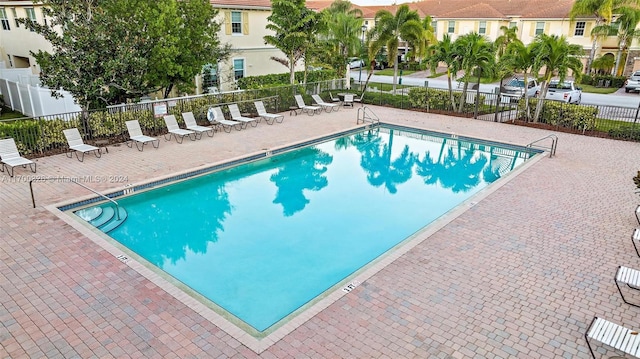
{"points": [[355, 63], [564, 91], [515, 88], [633, 83]]}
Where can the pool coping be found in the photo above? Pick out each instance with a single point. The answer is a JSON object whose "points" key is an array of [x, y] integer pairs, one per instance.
{"points": [[318, 304]]}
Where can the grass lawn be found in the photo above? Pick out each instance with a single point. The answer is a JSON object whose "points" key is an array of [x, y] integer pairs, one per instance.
{"points": [[8, 114], [389, 72], [483, 80], [593, 89]]}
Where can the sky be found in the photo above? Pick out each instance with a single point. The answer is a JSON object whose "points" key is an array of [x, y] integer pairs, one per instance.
{"points": [[379, 2]]}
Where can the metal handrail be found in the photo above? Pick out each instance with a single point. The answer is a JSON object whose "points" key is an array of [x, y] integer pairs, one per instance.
{"points": [[69, 179], [554, 144], [373, 118]]}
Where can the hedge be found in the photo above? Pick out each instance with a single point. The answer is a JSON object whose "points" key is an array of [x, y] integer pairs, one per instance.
{"points": [[562, 114], [259, 82]]}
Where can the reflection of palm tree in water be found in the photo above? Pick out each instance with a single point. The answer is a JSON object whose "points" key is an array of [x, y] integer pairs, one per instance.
{"points": [[306, 172], [381, 170], [459, 172], [211, 217]]}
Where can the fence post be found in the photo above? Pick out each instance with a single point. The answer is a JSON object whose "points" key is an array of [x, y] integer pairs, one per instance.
{"points": [[635, 119], [497, 92]]}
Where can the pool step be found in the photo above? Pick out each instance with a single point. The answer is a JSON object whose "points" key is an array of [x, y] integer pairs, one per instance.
{"points": [[107, 214], [89, 214], [114, 222], [103, 218]]}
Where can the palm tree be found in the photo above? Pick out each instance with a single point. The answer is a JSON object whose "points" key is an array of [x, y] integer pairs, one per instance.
{"points": [[342, 29], [421, 43], [520, 58], [443, 51], [390, 29], [509, 35], [557, 56], [625, 28], [290, 21], [476, 53], [602, 10]]}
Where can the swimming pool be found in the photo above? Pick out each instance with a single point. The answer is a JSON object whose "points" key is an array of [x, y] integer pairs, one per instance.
{"points": [[263, 238]]}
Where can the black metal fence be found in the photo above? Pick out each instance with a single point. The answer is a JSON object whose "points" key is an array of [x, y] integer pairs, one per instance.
{"points": [[43, 135]]}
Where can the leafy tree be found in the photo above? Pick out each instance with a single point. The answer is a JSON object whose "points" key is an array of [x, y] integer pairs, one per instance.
{"points": [[107, 51], [291, 22], [443, 51], [390, 29], [557, 56]]}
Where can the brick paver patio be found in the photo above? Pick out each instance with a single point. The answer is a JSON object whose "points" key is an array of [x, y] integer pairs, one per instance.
{"points": [[519, 274]]}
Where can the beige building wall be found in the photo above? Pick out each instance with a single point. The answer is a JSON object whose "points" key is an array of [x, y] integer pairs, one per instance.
{"points": [[246, 37], [16, 42]]}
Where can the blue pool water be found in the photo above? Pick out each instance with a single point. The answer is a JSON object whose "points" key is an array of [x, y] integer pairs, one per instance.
{"points": [[262, 239]]}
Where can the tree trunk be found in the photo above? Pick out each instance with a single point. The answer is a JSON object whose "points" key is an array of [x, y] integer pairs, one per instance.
{"points": [[372, 66], [527, 111], [463, 97], [475, 112], [167, 90], [292, 70], [619, 57], [395, 75], [543, 94], [592, 54], [453, 101]]}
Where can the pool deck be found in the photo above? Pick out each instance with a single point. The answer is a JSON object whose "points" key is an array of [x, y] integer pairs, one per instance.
{"points": [[519, 274]]}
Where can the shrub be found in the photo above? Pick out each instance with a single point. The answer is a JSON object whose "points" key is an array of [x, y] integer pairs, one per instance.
{"points": [[630, 133], [257, 82], [562, 114], [436, 99], [601, 80]]}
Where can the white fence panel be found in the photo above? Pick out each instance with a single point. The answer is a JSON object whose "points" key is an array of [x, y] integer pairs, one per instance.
{"points": [[25, 97], [14, 93], [15, 75]]}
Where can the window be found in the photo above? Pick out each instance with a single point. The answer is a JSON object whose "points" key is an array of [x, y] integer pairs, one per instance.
{"points": [[4, 20], [452, 27], [580, 25], [15, 16], [513, 24], [210, 78], [236, 22], [539, 27], [31, 13], [434, 25], [238, 68], [482, 27], [614, 28]]}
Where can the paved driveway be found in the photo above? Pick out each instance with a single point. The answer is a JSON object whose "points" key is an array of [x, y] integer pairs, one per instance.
{"points": [[519, 274]]}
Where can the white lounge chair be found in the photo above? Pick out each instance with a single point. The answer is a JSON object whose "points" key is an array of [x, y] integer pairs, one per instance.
{"points": [[348, 100], [630, 277], [334, 99], [267, 116], [635, 237], [613, 335], [175, 130], [302, 107], [192, 125], [325, 105], [10, 157], [216, 117], [359, 99], [135, 135], [77, 145], [237, 116]]}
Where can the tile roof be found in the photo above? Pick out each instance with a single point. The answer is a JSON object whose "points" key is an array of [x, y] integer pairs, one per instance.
{"points": [[470, 9], [241, 4]]}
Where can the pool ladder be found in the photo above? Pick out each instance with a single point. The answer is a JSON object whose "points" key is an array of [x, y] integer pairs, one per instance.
{"points": [[366, 114], [552, 148]]}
